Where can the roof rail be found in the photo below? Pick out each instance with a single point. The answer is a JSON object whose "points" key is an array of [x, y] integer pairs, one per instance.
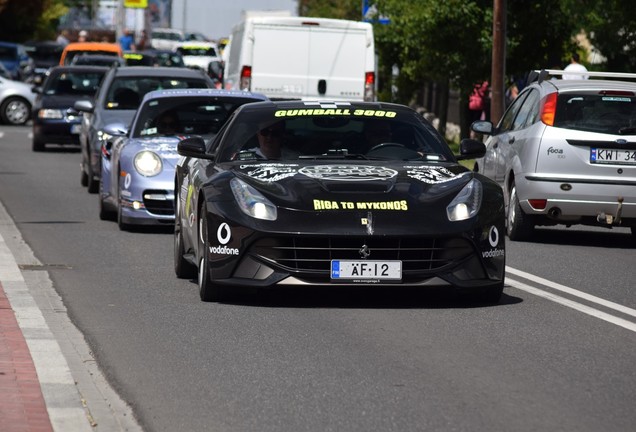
{"points": [[537, 75], [590, 73]]}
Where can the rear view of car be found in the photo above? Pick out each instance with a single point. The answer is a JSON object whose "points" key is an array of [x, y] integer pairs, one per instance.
{"points": [[565, 153]]}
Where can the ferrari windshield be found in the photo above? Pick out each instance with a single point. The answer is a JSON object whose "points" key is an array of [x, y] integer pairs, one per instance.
{"points": [[294, 134]]}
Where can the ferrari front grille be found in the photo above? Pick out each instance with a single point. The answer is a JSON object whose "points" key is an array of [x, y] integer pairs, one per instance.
{"points": [[313, 255]]}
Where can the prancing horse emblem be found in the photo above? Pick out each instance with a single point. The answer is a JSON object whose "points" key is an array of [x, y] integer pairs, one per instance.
{"points": [[364, 252]]}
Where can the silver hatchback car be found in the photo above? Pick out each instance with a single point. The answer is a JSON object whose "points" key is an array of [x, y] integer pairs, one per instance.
{"points": [[565, 153]]}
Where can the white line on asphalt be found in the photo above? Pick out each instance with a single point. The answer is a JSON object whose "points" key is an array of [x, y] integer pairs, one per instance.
{"points": [[1, 134], [572, 291], [572, 304]]}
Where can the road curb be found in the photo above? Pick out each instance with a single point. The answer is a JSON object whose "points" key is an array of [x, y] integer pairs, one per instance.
{"points": [[77, 396]]}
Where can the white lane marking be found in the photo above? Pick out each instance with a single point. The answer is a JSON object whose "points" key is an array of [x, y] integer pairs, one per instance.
{"points": [[1, 134], [572, 304], [572, 291]]}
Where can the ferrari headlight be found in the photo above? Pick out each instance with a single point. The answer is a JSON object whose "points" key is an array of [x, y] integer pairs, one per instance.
{"points": [[48, 113], [252, 202], [148, 163], [467, 202]]}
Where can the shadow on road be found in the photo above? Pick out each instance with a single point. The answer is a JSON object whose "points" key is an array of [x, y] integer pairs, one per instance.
{"points": [[360, 298], [620, 238]]}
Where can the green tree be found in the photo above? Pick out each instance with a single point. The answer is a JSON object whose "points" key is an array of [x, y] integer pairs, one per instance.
{"points": [[30, 19], [611, 28]]}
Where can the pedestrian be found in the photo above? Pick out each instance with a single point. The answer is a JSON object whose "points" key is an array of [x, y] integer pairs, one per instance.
{"points": [[82, 36], [62, 38], [575, 66], [478, 103], [143, 41], [127, 41]]}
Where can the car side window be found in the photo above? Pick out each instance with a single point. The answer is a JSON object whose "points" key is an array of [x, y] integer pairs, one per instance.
{"points": [[506, 122], [525, 111]]}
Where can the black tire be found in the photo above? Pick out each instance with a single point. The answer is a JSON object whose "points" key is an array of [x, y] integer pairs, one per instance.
{"points": [[182, 267], [208, 291], [38, 145], [92, 183], [123, 226], [519, 226], [104, 212], [15, 111]]}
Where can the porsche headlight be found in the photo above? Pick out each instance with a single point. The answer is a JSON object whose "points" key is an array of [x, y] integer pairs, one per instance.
{"points": [[148, 163], [48, 113], [467, 202], [252, 202]]}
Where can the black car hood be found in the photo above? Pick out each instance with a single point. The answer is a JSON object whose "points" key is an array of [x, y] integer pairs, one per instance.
{"points": [[385, 185]]}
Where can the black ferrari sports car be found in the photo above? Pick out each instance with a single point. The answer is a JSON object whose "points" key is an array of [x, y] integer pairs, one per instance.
{"points": [[324, 193]]}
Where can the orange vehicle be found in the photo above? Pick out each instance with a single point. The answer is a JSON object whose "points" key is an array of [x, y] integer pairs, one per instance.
{"points": [[76, 48]]}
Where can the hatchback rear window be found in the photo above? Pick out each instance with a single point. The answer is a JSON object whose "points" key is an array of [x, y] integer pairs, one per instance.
{"points": [[611, 113]]}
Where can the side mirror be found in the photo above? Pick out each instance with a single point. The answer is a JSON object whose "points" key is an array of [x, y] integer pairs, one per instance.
{"points": [[36, 90], [193, 147], [483, 127], [471, 149], [84, 106], [116, 129], [215, 70]]}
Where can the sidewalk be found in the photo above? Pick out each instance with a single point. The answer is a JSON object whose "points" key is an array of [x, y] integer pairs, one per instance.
{"points": [[22, 406], [49, 380]]}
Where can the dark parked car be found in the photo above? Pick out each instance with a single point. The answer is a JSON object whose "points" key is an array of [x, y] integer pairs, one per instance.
{"points": [[55, 119], [117, 100], [335, 194], [15, 58], [45, 55]]}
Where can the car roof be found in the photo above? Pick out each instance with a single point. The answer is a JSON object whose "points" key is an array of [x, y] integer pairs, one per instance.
{"points": [[591, 85], [78, 68], [159, 94], [161, 71], [326, 104], [97, 46]]}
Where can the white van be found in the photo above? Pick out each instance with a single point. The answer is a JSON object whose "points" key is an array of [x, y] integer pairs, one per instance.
{"points": [[302, 58]]}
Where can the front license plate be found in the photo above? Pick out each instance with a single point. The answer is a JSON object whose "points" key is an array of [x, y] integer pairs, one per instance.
{"points": [[612, 156], [365, 270], [75, 129]]}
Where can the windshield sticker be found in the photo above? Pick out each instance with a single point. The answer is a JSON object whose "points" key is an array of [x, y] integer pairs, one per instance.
{"points": [[616, 99], [334, 112], [348, 172], [430, 174], [149, 131], [400, 205]]}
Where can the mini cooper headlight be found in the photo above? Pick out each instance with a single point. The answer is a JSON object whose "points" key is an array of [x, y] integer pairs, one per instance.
{"points": [[467, 202], [48, 113], [148, 163], [252, 202]]}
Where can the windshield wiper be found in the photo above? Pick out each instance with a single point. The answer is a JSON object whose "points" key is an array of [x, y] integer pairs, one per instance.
{"points": [[627, 130]]}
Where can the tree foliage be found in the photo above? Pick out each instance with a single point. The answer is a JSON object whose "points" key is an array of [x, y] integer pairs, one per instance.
{"points": [[30, 19]]}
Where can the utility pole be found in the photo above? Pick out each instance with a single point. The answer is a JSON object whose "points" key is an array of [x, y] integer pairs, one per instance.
{"points": [[498, 60]]}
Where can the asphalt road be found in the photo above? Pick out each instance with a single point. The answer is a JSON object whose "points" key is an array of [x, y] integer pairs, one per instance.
{"points": [[558, 352]]}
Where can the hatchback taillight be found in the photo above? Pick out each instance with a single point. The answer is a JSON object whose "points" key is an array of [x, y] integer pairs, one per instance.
{"points": [[548, 109]]}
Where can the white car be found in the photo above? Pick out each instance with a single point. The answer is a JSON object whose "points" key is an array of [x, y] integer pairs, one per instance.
{"points": [[16, 101], [198, 55], [166, 38], [565, 153]]}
